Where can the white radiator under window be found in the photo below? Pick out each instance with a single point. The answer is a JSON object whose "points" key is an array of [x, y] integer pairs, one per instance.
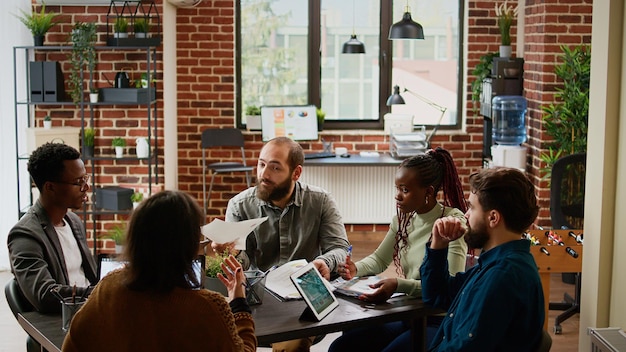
{"points": [[607, 339], [364, 194]]}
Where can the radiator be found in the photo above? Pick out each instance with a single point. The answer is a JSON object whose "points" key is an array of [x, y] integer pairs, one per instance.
{"points": [[607, 340], [364, 194]]}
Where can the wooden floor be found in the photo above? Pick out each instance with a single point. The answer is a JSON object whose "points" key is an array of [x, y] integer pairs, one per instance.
{"points": [[364, 244]]}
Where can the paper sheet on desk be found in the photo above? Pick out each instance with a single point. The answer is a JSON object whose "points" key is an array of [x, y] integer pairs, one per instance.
{"points": [[220, 231], [278, 282]]}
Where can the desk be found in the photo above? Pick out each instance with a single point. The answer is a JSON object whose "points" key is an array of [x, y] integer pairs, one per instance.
{"points": [[276, 321], [45, 329], [363, 187], [279, 321]]}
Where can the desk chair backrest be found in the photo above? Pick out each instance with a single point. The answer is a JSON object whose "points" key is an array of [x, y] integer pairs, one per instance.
{"points": [[546, 342], [567, 191], [17, 302], [223, 137]]}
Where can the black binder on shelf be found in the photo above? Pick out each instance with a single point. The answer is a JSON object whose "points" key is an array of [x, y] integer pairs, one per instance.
{"points": [[53, 89], [36, 81]]}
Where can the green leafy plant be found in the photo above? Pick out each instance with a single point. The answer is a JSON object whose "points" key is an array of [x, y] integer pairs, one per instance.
{"points": [[505, 15], [117, 233], [118, 142], [90, 135], [39, 23], [212, 266], [120, 25], [47, 118], [136, 197], [141, 25], [481, 71], [320, 118], [253, 110], [83, 56]]}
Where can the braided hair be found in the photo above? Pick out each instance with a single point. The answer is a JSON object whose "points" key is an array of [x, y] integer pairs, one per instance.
{"points": [[434, 168]]}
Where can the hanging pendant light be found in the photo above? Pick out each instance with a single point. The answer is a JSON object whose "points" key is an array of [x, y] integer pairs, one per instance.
{"points": [[406, 28], [353, 46]]}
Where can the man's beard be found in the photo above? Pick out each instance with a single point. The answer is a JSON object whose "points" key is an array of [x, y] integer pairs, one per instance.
{"points": [[278, 192], [476, 238]]}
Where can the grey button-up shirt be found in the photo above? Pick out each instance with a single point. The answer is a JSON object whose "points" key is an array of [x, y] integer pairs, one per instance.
{"points": [[309, 227]]}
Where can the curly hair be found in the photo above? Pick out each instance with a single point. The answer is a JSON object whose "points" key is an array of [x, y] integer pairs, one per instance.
{"points": [[46, 162]]}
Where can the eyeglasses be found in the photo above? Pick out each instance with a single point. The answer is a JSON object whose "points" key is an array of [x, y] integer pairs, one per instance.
{"points": [[83, 183]]}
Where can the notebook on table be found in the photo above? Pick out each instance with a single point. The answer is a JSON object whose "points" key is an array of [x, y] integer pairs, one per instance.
{"points": [[318, 296]]}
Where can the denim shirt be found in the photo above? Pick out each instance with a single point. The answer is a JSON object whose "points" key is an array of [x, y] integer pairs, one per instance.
{"points": [[309, 227], [497, 305]]}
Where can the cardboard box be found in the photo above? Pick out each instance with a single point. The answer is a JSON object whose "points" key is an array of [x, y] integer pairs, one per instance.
{"points": [[36, 137], [113, 198]]}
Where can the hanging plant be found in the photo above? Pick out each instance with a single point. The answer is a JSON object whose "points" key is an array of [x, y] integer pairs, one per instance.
{"points": [[481, 71], [83, 56]]}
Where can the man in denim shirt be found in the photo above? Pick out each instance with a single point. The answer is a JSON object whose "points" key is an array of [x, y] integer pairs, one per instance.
{"points": [[303, 221], [497, 305]]}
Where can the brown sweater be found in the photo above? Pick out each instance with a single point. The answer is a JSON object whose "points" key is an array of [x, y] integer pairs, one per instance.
{"points": [[118, 319]]}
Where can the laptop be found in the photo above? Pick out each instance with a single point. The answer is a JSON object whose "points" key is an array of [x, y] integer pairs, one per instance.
{"points": [[318, 296], [108, 263]]}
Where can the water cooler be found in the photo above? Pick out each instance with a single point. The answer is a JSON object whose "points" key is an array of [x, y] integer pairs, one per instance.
{"points": [[509, 131]]}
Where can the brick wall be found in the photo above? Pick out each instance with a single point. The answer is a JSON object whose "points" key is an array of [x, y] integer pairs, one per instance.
{"points": [[205, 73]]}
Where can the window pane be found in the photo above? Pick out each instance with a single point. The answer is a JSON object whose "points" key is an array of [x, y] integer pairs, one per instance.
{"points": [[350, 81], [428, 68], [274, 52]]}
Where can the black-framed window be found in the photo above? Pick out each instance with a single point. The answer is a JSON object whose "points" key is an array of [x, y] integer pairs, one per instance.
{"points": [[289, 52]]}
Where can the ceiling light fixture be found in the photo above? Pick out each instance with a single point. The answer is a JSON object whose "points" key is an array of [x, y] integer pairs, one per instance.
{"points": [[353, 45], [406, 28]]}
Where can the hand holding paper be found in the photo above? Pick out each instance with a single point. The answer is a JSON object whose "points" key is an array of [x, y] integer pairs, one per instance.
{"points": [[220, 231]]}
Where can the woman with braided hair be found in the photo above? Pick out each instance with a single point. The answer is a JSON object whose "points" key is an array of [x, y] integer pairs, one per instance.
{"points": [[418, 182]]}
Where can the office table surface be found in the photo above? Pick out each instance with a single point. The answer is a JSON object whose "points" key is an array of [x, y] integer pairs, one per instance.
{"points": [[384, 159], [274, 320]]}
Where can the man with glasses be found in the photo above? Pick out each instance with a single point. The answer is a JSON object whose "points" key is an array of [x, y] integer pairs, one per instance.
{"points": [[48, 247]]}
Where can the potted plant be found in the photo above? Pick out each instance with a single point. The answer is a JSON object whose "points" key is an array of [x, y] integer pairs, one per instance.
{"points": [[212, 267], [119, 143], [39, 23], [47, 122], [481, 71], [93, 95], [253, 118], [89, 135], [320, 119], [141, 27], [120, 27], [118, 234], [566, 119], [505, 15], [136, 198], [83, 55]]}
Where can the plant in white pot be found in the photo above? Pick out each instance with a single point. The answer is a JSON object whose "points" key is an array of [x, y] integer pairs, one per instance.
{"points": [[47, 122], [505, 15], [118, 234], [136, 198], [141, 27], [93, 95], [120, 27], [119, 144]]}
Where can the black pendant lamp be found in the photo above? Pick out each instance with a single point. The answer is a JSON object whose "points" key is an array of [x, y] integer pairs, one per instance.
{"points": [[395, 98], [406, 28], [353, 46]]}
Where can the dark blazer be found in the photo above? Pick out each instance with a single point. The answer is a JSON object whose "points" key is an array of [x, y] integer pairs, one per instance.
{"points": [[37, 259]]}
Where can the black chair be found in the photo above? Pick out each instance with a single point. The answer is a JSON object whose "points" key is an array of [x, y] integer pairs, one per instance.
{"points": [[19, 304], [546, 342], [222, 137], [567, 205]]}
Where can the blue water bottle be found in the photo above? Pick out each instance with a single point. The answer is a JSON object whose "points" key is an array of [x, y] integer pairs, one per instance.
{"points": [[509, 119]]}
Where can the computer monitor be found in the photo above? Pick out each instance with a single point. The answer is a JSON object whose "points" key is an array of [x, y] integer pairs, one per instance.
{"points": [[298, 122]]}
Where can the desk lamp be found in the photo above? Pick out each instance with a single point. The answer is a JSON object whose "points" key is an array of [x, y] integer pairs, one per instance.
{"points": [[397, 99]]}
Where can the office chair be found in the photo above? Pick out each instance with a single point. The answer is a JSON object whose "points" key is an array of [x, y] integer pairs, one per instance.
{"points": [[567, 205], [19, 304], [222, 137], [546, 342]]}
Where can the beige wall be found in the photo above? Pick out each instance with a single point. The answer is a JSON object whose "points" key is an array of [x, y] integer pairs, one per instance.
{"points": [[604, 282]]}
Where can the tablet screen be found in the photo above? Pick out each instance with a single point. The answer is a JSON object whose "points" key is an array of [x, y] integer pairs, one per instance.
{"points": [[314, 291]]}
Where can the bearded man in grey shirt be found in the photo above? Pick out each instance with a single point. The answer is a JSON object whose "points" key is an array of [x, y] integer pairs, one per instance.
{"points": [[303, 221]]}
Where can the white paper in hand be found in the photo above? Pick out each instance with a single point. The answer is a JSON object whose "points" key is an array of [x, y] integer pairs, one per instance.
{"points": [[220, 231]]}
